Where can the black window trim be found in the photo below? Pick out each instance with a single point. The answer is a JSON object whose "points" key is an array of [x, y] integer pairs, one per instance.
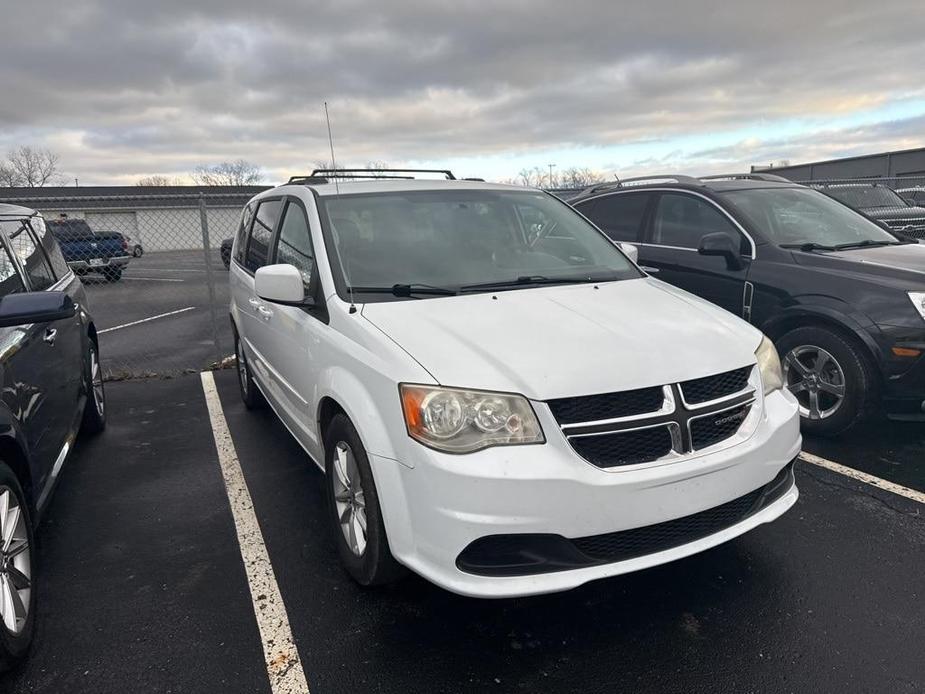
{"points": [[684, 191], [273, 231], [314, 289], [17, 262]]}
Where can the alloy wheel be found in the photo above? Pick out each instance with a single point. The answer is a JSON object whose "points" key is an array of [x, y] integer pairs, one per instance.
{"points": [[817, 380], [349, 499], [15, 563]]}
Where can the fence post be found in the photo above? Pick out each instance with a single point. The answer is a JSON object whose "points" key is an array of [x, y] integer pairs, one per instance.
{"points": [[207, 254]]}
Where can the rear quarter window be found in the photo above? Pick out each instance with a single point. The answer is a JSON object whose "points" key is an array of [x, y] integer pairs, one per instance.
{"points": [[258, 246], [52, 249], [240, 240], [618, 216]]}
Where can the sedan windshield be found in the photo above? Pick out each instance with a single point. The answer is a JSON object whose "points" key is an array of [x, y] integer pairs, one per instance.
{"points": [[866, 197], [422, 244], [800, 216]]}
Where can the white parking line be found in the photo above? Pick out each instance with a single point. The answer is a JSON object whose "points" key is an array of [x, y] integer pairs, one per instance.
{"points": [[864, 477], [284, 667], [145, 320], [151, 279]]}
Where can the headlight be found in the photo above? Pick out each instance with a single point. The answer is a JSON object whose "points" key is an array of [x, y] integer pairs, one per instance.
{"points": [[463, 421], [918, 300], [769, 366]]}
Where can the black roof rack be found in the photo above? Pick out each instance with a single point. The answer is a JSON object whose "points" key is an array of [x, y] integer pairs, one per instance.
{"points": [[774, 178], [379, 173], [307, 180], [643, 180]]}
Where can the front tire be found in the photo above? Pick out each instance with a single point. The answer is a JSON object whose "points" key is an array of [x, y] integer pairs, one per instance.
{"points": [[830, 378], [94, 417], [17, 577], [354, 511]]}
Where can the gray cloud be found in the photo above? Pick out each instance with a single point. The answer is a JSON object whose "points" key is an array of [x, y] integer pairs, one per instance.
{"points": [[129, 88]]}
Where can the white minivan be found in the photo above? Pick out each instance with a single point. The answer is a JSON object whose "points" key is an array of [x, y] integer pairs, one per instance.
{"points": [[501, 400]]}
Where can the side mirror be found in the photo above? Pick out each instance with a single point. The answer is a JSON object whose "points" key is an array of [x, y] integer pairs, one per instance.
{"points": [[631, 251], [281, 284], [35, 307], [723, 245]]}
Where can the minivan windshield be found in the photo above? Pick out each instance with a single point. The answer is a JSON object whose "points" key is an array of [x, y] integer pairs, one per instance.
{"points": [[866, 197], [438, 242], [801, 216]]}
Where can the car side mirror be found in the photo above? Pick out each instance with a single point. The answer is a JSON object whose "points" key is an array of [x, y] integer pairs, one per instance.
{"points": [[723, 245], [35, 307], [631, 251], [281, 284]]}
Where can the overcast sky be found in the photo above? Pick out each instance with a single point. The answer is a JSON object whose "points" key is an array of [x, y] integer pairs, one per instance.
{"points": [[122, 89]]}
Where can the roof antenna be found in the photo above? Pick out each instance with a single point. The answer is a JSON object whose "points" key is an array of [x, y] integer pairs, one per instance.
{"points": [[327, 117]]}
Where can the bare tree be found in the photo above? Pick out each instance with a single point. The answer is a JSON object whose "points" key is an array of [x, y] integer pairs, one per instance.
{"points": [[580, 177], [532, 178], [159, 180], [30, 167], [375, 166], [228, 173]]}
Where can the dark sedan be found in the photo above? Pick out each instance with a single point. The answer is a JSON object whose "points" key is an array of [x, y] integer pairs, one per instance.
{"points": [[52, 389]]}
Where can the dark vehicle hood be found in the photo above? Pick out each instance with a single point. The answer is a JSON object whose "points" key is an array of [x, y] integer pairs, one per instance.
{"points": [[902, 267], [892, 213]]}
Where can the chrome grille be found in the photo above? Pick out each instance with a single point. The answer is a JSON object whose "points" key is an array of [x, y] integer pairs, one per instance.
{"points": [[661, 423]]}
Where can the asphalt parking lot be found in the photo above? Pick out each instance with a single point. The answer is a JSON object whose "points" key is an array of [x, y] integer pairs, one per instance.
{"points": [[156, 320], [143, 587]]}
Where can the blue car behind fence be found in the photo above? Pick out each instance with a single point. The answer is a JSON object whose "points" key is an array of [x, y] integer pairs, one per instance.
{"points": [[85, 250]]}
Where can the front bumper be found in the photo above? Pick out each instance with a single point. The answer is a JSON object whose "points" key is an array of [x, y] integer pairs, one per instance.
{"points": [[85, 266], [436, 505]]}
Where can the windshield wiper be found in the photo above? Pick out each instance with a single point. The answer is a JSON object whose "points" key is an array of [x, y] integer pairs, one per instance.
{"points": [[866, 243], [532, 280], [809, 246], [407, 290]]}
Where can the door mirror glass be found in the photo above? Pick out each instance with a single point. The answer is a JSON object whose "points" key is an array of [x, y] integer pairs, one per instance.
{"points": [[35, 307], [631, 252], [723, 245], [281, 284]]}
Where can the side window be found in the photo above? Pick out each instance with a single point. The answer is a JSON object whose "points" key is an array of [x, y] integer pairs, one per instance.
{"points": [[295, 243], [52, 249], [258, 247], [618, 216], [682, 220], [10, 280], [30, 254], [240, 241]]}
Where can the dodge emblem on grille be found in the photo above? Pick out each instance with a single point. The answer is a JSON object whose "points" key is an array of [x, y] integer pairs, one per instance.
{"points": [[735, 417]]}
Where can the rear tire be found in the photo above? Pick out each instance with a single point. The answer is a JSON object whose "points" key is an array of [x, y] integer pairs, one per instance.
{"points": [[831, 378], [112, 274], [138, 251], [353, 508], [94, 417], [250, 393], [17, 571]]}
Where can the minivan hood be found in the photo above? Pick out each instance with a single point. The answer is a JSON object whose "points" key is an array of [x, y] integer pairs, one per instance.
{"points": [[568, 340]]}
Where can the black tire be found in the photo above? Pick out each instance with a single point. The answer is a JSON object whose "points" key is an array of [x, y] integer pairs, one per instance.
{"points": [[250, 393], [860, 381], [15, 646], [375, 565], [138, 251], [113, 274], [94, 416]]}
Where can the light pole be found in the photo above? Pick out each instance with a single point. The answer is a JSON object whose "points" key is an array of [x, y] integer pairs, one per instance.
{"points": [[550, 175]]}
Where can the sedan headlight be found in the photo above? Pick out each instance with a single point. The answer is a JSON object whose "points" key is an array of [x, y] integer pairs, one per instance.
{"points": [[462, 421], [918, 300], [769, 366]]}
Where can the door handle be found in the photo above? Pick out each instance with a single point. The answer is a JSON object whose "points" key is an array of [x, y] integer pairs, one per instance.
{"points": [[650, 270], [255, 303], [50, 335], [264, 312]]}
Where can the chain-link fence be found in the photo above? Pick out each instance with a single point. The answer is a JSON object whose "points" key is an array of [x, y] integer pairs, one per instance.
{"points": [[155, 272], [896, 201]]}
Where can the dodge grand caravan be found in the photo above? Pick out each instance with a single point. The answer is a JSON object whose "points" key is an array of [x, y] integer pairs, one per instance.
{"points": [[501, 400]]}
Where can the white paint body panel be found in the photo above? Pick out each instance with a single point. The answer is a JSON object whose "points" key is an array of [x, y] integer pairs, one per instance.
{"points": [[541, 342]]}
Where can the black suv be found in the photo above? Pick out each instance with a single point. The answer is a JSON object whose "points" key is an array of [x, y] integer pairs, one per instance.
{"points": [[881, 203], [842, 298], [52, 388]]}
